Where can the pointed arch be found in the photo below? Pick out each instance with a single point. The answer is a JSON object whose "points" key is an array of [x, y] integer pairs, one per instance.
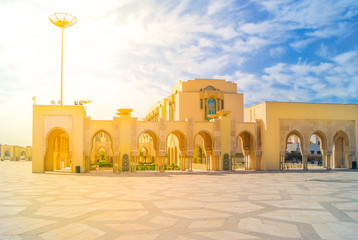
{"points": [[57, 154], [248, 147], [340, 150]]}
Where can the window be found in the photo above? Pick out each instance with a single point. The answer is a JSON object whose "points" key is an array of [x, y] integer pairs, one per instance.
{"points": [[209, 88], [222, 104], [210, 107], [201, 103]]}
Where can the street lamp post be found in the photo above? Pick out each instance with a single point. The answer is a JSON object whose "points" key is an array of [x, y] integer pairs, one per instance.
{"points": [[62, 20]]}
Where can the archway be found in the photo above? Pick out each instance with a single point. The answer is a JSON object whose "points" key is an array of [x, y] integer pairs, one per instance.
{"points": [[293, 157], [101, 151], [176, 150], [143, 155], [57, 155], [7, 155], [340, 150], [147, 141], [198, 157], [22, 156], [317, 150], [246, 142], [204, 144]]}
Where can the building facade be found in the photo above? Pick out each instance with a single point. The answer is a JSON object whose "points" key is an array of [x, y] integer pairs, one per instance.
{"points": [[15, 153], [200, 125]]}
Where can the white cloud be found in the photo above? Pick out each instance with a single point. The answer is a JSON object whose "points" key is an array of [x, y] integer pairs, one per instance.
{"points": [[300, 44], [303, 82], [277, 51]]}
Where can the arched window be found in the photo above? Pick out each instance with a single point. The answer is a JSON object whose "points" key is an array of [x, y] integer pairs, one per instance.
{"points": [[209, 88], [210, 107]]}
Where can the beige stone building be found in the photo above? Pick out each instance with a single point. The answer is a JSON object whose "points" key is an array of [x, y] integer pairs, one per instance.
{"points": [[203, 125], [15, 153]]}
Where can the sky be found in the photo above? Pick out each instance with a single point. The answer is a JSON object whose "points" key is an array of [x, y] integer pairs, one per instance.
{"points": [[130, 53]]}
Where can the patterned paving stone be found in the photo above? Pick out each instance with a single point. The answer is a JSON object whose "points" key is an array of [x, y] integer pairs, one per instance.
{"points": [[342, 230], [17, 225], [73, 231], [118, 216], [207, 224], [279, 229], [192, 214], [63, 211], [125, 227], [228, 235], [10, 210], [164, 221], [138, 237], [301, 216], [235, 207], [177, 205]]}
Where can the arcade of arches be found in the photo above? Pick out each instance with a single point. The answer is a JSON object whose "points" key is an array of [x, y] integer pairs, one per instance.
{"points": [[15, 153], [203, 129]]}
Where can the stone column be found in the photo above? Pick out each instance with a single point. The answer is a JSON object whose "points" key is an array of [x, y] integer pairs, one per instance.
{"points": [[132, 164], [324, 158], [116, 160], [304, 161], [351, 157], [182, 168], [247, 160], [282, 159], [88, 163], [346, 158], [232, 165], [258, 159], [207, 162], [329, 154], [190, 163]]}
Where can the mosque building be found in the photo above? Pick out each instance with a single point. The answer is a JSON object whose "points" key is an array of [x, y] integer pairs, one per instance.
{"points": [[201, 125]]}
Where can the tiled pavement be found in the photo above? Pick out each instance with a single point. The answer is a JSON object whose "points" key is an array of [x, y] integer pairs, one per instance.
{"points": [[204, 205]]}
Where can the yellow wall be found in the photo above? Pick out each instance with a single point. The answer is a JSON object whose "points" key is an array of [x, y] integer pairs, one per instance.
{"points": [[15, 152], [271, 112], [48, 117]]}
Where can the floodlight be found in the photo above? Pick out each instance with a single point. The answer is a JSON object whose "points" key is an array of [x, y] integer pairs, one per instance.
{"points": [[62, 20]]}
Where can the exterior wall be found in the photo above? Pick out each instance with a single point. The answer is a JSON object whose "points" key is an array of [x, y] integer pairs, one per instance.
{"points": [[49, 117], [270, 114], [186, 97], [189, 106], [234, 103]]}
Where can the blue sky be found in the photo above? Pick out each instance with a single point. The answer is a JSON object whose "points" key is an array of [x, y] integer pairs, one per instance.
{"points": [[129, 53]]}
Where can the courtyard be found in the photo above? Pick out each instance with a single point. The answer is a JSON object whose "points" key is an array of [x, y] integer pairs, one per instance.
{"points": [[315, 204]]}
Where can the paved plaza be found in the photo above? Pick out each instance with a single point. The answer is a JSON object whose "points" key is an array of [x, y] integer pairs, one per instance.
{"points": [[183, 206]]}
